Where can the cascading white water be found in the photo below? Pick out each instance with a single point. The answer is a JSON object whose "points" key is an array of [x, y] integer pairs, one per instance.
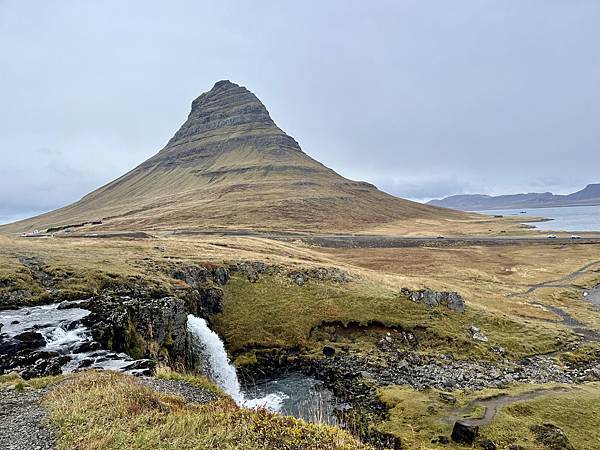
{"points": [[222, 372]]}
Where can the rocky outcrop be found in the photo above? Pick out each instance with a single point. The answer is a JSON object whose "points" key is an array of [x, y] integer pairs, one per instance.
{"points": [[142, 327], [300, 277], [253, 270], [156, 328], [451, 300], [202, 284]]}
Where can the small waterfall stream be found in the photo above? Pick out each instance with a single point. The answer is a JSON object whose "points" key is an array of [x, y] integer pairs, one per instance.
{"points": [[222, 371], [64, 334]]}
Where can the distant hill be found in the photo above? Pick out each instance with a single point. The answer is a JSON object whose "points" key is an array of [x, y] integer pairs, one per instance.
{"points": [[590, 195], [229, 165]]}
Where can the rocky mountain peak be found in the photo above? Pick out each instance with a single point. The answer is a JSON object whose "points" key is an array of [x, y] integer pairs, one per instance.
{"points": [[225, 105]]}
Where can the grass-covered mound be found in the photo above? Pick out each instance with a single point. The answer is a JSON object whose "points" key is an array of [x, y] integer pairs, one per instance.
{"points": [[105, 410]]}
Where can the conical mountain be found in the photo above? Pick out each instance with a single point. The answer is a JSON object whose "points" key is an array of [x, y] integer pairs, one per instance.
{"points": [[229, 165]]}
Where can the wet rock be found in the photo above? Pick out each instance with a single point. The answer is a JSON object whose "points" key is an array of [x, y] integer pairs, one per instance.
{"points": [[30, 364], [70, 304], [142, 327], [45, 367], [463, 433], [144, 367], [30, 339], [87, 346], [551, 437], [85, 363]]}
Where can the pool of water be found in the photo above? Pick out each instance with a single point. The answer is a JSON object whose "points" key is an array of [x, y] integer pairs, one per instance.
{"points": [[568, 218], [301, 396]]}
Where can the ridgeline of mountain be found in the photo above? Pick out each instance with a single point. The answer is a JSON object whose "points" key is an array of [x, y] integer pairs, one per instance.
{"points": [[590, 195], [229, 165]]}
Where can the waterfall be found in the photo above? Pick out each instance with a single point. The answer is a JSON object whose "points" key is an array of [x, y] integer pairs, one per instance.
{"points": [[221, 370]]}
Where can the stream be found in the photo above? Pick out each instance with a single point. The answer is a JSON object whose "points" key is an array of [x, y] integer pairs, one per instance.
{"points": [[58, 334], [62, 333]]}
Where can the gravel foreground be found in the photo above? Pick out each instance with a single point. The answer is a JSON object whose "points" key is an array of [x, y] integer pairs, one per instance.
{"points": [[23, 421]]}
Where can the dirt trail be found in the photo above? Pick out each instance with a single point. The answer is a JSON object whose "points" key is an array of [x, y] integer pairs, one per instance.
{"points": [[568, 320], [560, 282], [493, 405]]}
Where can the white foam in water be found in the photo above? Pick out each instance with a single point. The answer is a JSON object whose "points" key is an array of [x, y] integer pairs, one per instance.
{"points": [[223, 373]]}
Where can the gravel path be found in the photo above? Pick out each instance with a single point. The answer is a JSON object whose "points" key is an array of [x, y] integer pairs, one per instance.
{"points": [[23, 422], [189, 392]]}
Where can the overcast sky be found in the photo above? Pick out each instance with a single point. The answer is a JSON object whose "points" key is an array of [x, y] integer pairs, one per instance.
{"points": [[422, 98]]}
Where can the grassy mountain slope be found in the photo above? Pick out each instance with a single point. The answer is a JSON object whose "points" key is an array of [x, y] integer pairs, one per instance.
{"points": [[230, 165]]}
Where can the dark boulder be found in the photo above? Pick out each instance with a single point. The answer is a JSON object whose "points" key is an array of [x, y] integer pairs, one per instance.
{"points": [[328, 351], [144, 367], [70, 304], [551, 437], [220, 275], [211, 299], [45, 367], [87, 346], [85, 363], [30, 339], [31, 364], [464, 433]]}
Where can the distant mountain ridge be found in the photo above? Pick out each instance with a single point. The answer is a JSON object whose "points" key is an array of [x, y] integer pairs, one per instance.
{"points": [[590, 195]]}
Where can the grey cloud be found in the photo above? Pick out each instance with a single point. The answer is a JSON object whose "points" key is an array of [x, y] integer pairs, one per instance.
{"points": [[424, 98]]}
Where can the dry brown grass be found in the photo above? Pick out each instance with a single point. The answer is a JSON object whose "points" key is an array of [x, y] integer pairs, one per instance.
{"points": [[106, 410]]}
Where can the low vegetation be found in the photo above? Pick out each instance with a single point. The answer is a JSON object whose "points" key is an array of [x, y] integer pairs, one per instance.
{"points": [[420, 417], [575, 412], [275, 312], [14, 381], [104, 410]]}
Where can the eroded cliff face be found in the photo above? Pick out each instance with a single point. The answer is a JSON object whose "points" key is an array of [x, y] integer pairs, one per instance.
{"points": [[156, 328]]}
